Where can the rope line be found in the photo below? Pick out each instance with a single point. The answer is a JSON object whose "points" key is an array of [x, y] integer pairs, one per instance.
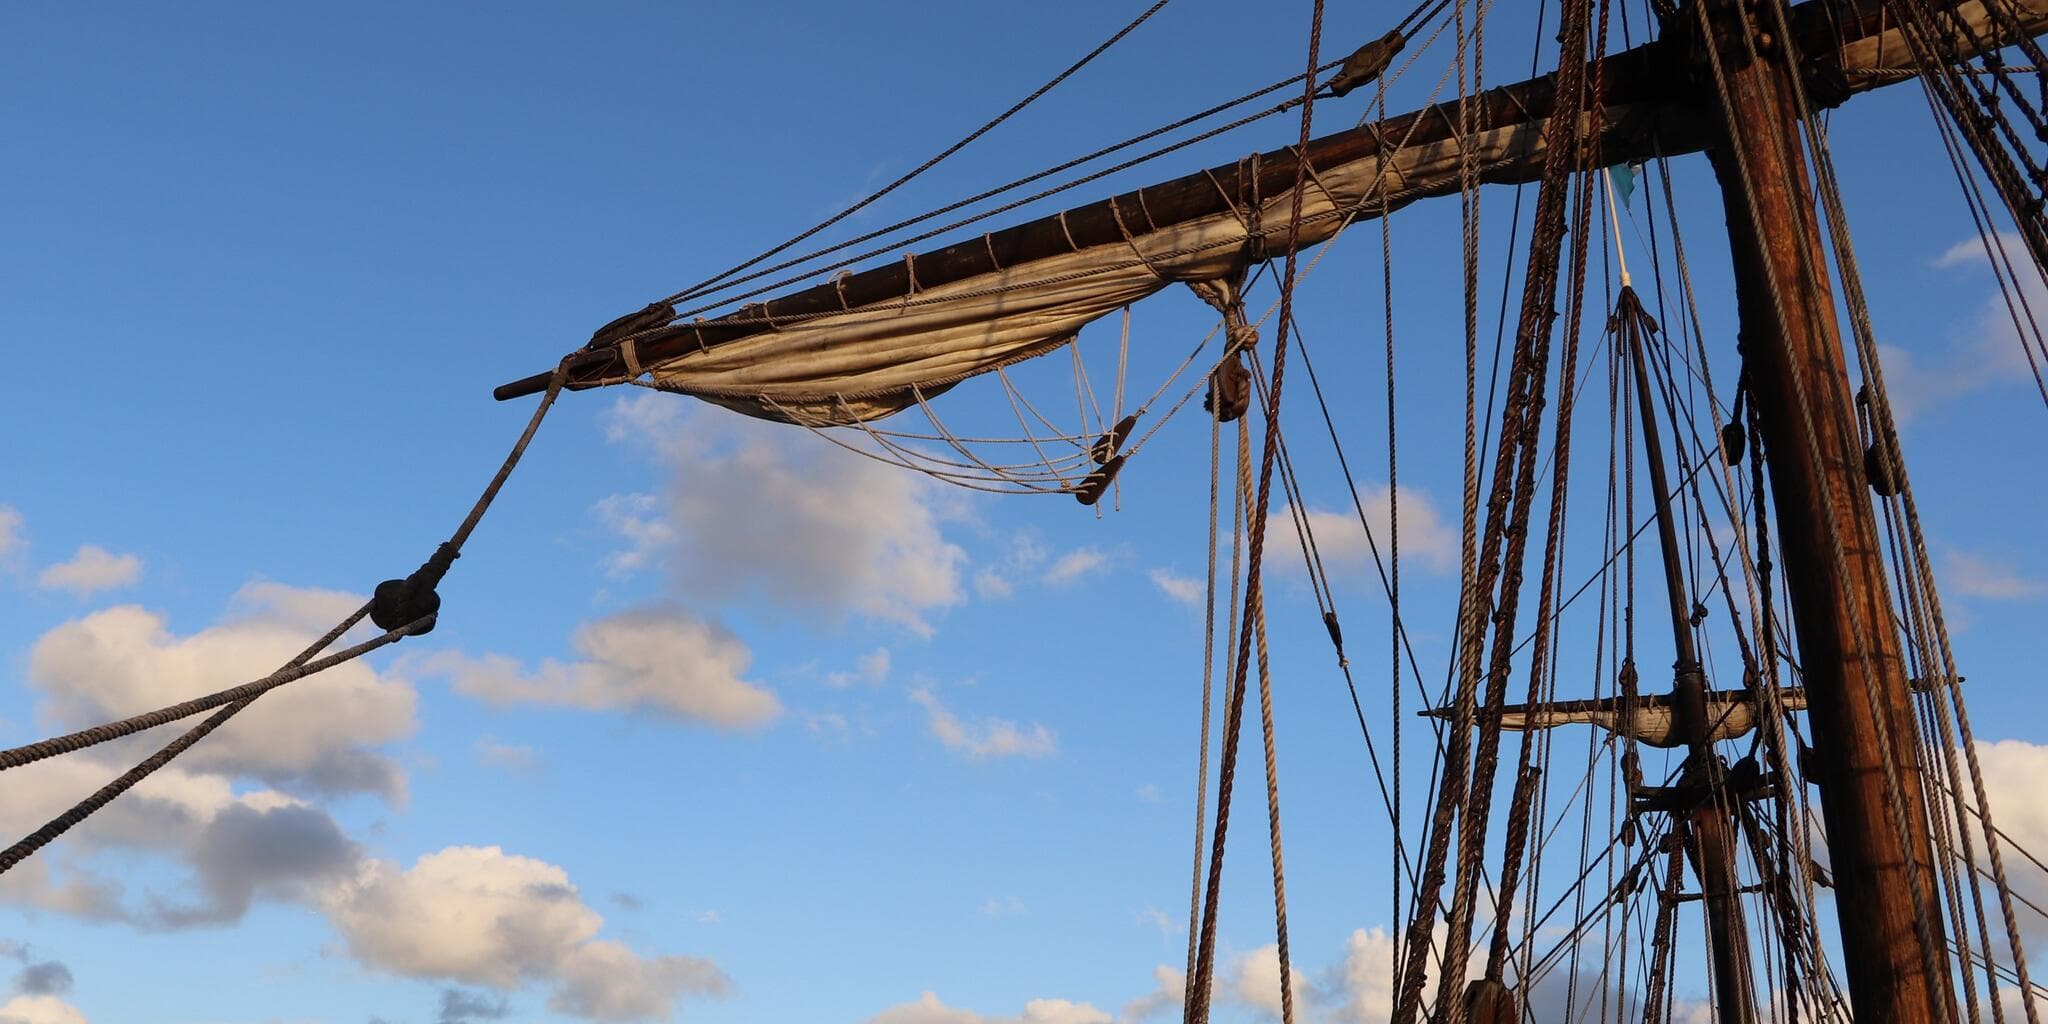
{"points": [[415, 594], [956, 147]]}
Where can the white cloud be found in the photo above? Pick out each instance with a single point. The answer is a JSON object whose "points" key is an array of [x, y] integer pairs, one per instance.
{"points": [[764, 509], [2013, 770], [1149, 792], [990, 737], [90, 571], [480, 916], [1183, 589], [1367, 985], [511, 758], [607, 981], [317, 731], [39, 1010], [830, 724], [11, 537], [929, 1010], [1255, 981], [871, 669], [1341, 541], [663, 661], [234, 848], [1978, 577], [992, 585], [1980, 352], [1357, 987], [1168, 993], [1075, 565], [1962, 253], [312, 608], [999, 906], [636, 519]]}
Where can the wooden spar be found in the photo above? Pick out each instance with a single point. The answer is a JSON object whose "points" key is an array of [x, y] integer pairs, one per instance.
{"points": [[1647, 115], [1893, 943], [1714, 852]]}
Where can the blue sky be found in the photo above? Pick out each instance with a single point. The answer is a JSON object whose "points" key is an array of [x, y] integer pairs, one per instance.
{"points": [[720, 723]]}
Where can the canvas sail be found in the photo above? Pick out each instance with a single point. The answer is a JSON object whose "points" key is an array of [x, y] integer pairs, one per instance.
{"points": [[869, 344]]}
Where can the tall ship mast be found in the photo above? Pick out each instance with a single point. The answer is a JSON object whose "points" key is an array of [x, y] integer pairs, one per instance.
{"points": [[1819, 834]]}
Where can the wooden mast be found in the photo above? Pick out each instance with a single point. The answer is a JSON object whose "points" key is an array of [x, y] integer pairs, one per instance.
{"points": [[1707, 802], [1892, 938]]}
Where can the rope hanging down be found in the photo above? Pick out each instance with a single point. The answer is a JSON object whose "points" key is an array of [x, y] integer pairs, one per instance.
{"points": [[1197, 1008], [403, 607]]}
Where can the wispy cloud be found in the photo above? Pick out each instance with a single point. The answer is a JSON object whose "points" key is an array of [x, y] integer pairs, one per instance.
{"points": [[1073, 566], [660, 660], [1341, 539], [871, 669], [1980, 351], [510, 758], [1184, 589], [13, 534], [90, 571], [759, 510], [636, 519], [929, 1009], [989, 737], [992, 585], [996, 906], [1972, 576]]}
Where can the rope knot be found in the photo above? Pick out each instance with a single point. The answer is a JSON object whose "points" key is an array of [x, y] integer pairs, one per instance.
{"points": [[397, 602]]}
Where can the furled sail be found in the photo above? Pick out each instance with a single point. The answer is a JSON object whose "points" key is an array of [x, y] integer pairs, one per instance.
{"points": [[865, 345], [1653, 719]]}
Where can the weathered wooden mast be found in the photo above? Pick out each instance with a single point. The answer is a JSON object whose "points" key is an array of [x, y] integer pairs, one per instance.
{"points": [[1859, 705], [1704, 802]]}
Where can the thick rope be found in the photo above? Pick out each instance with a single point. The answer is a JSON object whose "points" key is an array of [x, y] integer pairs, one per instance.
{"points": [[1208, 689], [85, 808], [297, 668], [1254, 563], [231, 701], [1524, 399], [1273, 807]]}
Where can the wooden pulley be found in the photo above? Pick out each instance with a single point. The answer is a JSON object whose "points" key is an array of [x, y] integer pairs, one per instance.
{"points": [[1112, 440], [1879, 470], [1733, 440], [1490, 1001], [1092, 488], [1230, 390]]}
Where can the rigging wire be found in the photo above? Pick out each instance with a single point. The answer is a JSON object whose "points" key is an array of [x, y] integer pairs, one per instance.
{"points": [[956, 147]]}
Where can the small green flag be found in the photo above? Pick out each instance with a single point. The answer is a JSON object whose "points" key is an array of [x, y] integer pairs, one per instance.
{"points": [[1623, 179]]}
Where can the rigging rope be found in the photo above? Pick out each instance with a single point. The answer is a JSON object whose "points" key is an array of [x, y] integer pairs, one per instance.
{"points": [[413, 597], [928, 164], [1256, 545]]}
